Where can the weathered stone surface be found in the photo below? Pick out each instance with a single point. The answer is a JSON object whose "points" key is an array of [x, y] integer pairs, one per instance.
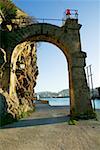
{"points": [[23, 78], [69, 42], [21, 66], [17, 83], [71, 46]]}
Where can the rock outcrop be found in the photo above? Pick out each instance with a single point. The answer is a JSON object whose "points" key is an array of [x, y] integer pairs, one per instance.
{"points": [[25, 73]]}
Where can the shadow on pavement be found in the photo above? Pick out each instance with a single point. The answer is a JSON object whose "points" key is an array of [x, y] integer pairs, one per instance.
{"points": [[36, 122]]}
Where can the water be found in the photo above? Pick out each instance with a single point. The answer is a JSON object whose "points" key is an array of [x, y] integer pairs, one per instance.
{"points": [[66, 102], [97, 104]]}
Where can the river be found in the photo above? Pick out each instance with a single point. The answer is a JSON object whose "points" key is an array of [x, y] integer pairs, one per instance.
{"points": [[66, 102]]}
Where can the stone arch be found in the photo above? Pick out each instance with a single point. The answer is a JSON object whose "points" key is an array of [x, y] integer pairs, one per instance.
{"points": [[67, 38]]}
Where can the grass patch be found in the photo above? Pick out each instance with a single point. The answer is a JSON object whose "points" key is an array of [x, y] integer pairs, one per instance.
{"points": [[72, 121], [26, 114]]}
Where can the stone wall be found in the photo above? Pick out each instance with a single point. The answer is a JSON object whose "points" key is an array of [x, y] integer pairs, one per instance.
{"points": [[25, 75]]}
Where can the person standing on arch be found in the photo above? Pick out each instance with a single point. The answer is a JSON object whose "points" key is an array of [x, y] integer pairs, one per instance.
{"points": [[76, 14], [68, 13]]}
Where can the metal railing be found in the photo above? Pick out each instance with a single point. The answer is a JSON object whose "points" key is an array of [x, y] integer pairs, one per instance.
{"points": [[90, 83], [32, 20]]}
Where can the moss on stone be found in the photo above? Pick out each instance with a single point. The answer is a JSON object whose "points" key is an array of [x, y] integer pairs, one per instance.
{"points": [[72, 121], [24, 114], [89, 114]]}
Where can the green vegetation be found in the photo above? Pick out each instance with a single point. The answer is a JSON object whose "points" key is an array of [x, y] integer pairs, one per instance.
{"points": [[72, 121], [7, 12], [25, 114]]}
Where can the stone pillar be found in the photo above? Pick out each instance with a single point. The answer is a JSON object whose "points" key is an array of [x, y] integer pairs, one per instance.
{"points": [[80, 104]]}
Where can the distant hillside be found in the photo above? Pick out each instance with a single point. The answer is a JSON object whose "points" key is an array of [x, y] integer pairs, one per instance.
{"points": [[63, 93]]}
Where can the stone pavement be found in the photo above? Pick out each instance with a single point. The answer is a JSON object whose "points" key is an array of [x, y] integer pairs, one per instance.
{"points": [[47, 129]]}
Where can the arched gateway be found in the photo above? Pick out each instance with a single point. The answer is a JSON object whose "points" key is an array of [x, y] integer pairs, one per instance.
{"points": [[67, 38]]}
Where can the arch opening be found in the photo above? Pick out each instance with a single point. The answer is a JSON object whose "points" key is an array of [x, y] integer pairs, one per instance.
{"points": [[51, 58], [18, 69], [52, 81]]}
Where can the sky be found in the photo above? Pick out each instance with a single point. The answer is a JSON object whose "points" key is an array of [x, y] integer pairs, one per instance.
{"points": [[53, 72]]}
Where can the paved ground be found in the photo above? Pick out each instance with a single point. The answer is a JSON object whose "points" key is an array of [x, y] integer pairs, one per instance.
{"points": [[48, 129]]}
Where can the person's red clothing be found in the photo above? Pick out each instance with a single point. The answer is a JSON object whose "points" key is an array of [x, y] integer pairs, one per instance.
{"points": [[68, 12]]}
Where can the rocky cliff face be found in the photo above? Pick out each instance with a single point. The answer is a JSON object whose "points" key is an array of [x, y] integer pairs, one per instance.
{"points": [[25, 74]]}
